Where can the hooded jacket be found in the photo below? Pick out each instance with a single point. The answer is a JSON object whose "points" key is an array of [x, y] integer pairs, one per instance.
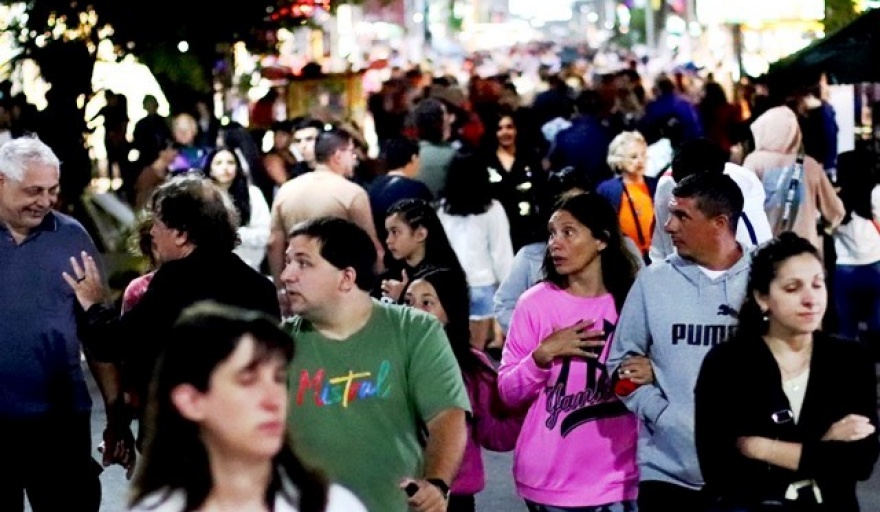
{"points": [[674, 314], [777, 142]]}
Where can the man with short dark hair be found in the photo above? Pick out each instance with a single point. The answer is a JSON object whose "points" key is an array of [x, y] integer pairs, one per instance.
{"points": [[305, 133], [326, 191], [401, 156], [676, 311], [433, 128], [704, 155], [378, 400]]}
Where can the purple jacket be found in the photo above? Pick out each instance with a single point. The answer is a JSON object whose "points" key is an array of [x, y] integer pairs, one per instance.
{"points": [[493, 426]]}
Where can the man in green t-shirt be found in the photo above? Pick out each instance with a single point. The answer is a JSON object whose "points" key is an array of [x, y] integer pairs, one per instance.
{"points": [[377, 397]]}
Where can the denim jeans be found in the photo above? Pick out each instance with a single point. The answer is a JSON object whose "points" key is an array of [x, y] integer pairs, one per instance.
{"points": [[857, 297]]}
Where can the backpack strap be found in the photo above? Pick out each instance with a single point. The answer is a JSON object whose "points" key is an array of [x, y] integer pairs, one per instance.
{"points": [[751, 229], [792, 201]]}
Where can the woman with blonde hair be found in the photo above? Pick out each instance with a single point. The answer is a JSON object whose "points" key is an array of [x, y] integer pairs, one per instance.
{"points": [[631, 193]]}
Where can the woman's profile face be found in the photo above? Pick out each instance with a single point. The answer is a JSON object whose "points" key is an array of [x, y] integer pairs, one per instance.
{"points": [[243, 413], [796, 300], [402, 240]]}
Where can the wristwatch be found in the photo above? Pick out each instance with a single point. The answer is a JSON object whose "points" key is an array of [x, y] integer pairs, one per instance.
{"points": [[440, 484]]}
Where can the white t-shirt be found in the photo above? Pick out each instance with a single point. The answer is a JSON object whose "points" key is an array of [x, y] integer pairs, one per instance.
{"points": [[339, 499], [482, 244], [255, 235], [858, 242]]}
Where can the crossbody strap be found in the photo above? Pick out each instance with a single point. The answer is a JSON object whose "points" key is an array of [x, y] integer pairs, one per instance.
{"points": [[635, 214], [792, 199]]}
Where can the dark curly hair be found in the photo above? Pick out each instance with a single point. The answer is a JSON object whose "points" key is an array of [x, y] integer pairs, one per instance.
{"points": [[194, 205]]}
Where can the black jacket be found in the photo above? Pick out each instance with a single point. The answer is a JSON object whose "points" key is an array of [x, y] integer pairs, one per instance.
{"points": [[738, 391], [135, 339]]}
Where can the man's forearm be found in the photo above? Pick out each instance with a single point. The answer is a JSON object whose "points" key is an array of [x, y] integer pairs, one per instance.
{"points": [[108, 379], [447, 437]]}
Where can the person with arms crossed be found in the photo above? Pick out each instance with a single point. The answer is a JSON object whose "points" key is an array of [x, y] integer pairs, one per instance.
{"points": [[801, 429]]}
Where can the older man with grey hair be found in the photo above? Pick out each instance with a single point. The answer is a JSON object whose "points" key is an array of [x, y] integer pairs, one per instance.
{"points": [[45, 407]]}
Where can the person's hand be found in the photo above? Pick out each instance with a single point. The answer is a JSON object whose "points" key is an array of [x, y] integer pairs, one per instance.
{"points": [[392, 288], [638, 369], [119, 446], [852, 427], [428, 497], [85, 281], [571, 341]]}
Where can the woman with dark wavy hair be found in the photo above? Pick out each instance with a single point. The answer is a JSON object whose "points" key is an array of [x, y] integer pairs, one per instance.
{"points": [[786, 416], [216, 422], [224, 167], [577, 448]]}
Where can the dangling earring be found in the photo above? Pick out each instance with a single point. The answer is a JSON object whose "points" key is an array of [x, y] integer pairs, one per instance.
{"points": [[765, 317]]}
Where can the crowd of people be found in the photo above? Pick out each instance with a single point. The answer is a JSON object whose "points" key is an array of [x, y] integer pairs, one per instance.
{"points": [[623, 285]]}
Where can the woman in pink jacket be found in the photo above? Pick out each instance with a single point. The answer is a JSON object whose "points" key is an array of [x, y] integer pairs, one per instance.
{"points": [[577, 448], [493, 426]]}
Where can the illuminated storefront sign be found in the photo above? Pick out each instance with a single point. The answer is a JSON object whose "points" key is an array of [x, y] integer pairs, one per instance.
{"points": [[757, 11]]}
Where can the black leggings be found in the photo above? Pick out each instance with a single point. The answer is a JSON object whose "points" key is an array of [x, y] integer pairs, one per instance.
{"points": [[461, 503], [50, 459]]}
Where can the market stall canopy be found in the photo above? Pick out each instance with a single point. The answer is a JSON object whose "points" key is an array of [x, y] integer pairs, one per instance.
{"points": [[850, 55]]}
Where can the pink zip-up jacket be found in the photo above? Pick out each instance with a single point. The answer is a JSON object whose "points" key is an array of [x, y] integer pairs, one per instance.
{"points": [[577, 446], [492, 426]]}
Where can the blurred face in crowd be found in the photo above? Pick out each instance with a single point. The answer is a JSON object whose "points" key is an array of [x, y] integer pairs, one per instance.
{"points": [[24, 204], [506, 132], [170, 244], [796, 299], [422, 295], [224, 168], [184, 129], [346, 159], [304, 141], [634, 156], [255, 389], [282, 139]]}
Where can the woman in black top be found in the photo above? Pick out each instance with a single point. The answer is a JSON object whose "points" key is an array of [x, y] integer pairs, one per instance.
{"points": [[786, 416], [517, 177]]}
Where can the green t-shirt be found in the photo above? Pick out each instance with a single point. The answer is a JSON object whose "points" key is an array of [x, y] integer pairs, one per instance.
{"points": [[357, 404]]}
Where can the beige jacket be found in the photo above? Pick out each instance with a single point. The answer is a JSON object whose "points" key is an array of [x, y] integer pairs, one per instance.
{"points": [[777, 142]]}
